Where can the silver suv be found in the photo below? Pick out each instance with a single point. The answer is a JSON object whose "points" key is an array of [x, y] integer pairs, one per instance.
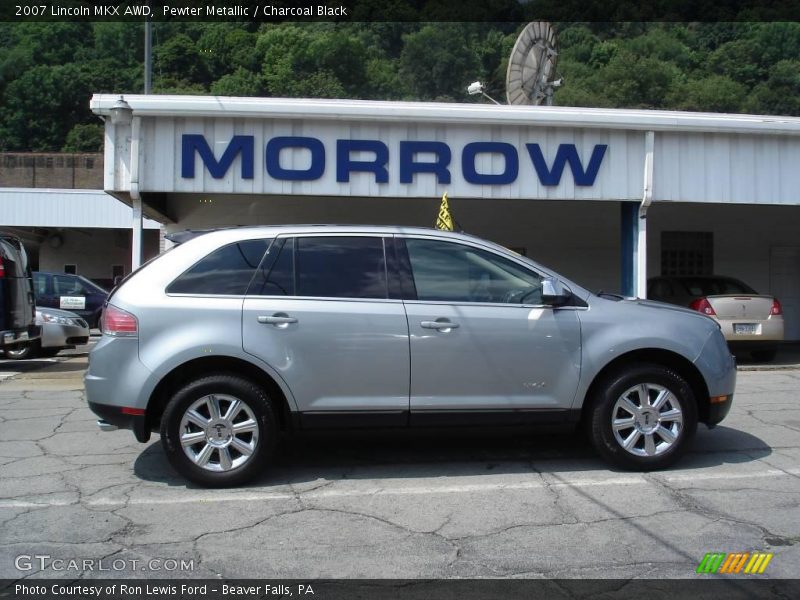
{"points": [[237, 335]]}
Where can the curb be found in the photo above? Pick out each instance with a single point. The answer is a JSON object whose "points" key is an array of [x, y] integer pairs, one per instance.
{"points": [[768, 367]]}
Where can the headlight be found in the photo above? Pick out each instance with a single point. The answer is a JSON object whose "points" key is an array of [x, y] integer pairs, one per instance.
{"points": [[48, 318]]}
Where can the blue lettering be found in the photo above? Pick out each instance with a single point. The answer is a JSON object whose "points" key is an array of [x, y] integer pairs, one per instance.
{"points": [[315, 169], [408, 166], [191, 143], [567, 153], [471, 175], [243, 147], [345, 166]]}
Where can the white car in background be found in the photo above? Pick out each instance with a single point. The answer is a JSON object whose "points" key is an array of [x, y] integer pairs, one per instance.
{"points": [[61, 330]]}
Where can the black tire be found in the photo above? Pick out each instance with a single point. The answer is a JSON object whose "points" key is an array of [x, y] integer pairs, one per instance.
{"points": [[222, 384], [31, 350], [604, 401], [764, 355]]}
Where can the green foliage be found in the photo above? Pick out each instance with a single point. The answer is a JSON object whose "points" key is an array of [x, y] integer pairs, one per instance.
{"points": [[48, 71], [438, 62], [239, 83], [84, 138]]}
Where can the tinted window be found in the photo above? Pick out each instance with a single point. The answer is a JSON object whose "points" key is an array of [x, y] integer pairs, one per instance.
{"points": [[91, 287], [276, 275], [39, 284], [340, 267], [451, 272], [660, 289], [227, 270], [64, 285]]}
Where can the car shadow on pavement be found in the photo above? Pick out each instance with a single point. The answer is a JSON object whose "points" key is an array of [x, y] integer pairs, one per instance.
{"points": [[42, 365], [395, 454]]}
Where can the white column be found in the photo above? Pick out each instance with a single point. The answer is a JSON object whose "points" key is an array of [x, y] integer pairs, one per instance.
{"points": [[136, 237], [640, 268], [136, 198]]}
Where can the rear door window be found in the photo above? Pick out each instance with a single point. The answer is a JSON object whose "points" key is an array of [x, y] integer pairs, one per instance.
{"points": [[325, 267], [341, 267], [226, 271]]}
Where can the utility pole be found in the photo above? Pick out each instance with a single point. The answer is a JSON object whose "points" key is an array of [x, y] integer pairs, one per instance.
{"points": [[148, 54]]}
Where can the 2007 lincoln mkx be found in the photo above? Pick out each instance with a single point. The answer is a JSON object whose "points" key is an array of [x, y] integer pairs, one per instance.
{"points": [[239, 334]]}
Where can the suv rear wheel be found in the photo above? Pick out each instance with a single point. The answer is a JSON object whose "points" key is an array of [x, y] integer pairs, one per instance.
{"points": [[219, 430], [643, 418]]}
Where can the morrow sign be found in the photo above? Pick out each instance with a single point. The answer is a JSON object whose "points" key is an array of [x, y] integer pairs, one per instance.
{"points": [[417, 157]]}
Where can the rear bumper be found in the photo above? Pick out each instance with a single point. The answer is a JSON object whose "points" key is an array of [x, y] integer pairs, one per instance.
{"points": [[117, 416], [770, 330], [753, 345], [16, 337]]}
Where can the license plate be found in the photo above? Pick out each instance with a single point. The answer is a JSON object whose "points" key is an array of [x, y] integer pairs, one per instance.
{"points": [[746, 328]]}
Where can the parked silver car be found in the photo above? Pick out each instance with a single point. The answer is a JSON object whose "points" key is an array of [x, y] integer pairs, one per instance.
{"points": [[61, 330], [238, 334]]}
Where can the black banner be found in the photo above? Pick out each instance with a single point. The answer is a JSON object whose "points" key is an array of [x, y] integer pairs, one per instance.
{"points": [[398, 10], [731, 588]]}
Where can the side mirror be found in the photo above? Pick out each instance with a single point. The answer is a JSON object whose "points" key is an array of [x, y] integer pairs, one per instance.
{"points": [[554, 292]]}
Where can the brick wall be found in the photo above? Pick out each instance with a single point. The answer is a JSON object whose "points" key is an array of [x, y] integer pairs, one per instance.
{"points": [[64, 171]]}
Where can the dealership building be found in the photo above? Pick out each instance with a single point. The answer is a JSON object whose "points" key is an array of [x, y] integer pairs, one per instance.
{"points": [[606, 197]]}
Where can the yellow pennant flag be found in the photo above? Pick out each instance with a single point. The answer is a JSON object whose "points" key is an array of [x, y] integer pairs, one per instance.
{"points": [[445, 220]]}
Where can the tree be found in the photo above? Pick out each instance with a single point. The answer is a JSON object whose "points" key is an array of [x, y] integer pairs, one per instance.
{"points": [[84, 138], [179, 59], [239, 83], [41, 106], [780, 94], [438, 63]]}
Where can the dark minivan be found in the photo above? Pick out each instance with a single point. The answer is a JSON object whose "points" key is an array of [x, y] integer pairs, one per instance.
{"points": [[17, 310], [70, 292]]}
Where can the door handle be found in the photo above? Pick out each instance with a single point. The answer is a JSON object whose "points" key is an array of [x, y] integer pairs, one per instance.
{"points": [[439, 325], [276, 320]]}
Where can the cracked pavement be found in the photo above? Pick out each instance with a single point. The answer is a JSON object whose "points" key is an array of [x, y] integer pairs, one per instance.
{"points": [[399, 506]]}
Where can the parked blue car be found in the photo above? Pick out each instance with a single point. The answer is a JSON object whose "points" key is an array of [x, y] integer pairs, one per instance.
{"points": [[70, 292]]}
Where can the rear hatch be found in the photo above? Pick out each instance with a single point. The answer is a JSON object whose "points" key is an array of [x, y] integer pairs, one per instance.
{"points": [[749, 307], [17, 311]]}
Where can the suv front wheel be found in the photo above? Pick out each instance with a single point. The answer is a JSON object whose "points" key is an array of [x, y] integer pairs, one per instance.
{"points": [[643, 417], [219, 430]]}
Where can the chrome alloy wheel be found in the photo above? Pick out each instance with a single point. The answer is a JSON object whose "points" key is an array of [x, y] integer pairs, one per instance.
{"points": [[647, 420], [219, 432]]}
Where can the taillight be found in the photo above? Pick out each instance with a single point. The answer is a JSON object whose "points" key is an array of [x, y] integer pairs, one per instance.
{"points": [[118, 322], [2, 268], [776, 309], [702, 305]]}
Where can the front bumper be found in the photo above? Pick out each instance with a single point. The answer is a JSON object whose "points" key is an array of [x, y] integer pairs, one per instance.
{"points": [[17, 337], [121, 417], [55, 335], [718, 411]]}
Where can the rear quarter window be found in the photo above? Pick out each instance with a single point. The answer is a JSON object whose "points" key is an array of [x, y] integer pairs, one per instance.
{"points": [[226, 271]]}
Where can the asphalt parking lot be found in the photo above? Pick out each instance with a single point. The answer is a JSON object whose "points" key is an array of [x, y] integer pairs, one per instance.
{"points": [[489, 505]]}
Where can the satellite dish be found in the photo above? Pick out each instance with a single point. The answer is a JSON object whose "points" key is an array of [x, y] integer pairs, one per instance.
{"points": [[530, 78]]}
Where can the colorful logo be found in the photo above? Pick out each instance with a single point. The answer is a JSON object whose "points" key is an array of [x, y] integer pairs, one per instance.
{"points": [[735, 562]]}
